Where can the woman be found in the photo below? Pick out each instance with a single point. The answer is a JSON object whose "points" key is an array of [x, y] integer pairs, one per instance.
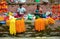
{"points": [[38, 12]]}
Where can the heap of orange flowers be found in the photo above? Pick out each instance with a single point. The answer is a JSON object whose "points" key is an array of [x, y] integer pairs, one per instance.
{"points": [[3, 6]]}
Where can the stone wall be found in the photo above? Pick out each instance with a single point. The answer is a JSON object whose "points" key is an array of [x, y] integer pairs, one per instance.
{"points": [[30, 8]]}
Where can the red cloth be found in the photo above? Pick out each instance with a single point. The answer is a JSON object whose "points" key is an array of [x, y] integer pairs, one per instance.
{"points": [[11, 0], [6, 18], [19, 15]]}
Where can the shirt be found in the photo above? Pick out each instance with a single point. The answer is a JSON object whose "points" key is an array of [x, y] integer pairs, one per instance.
{"points": [[22, 1], [37, 11], [21, 10], [47, 13], [45, 0]]}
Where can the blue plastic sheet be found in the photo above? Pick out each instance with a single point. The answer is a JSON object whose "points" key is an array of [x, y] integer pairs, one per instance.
{"points": [[3, 22]]}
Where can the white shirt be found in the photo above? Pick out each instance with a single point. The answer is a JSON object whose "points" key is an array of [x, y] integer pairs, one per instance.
{"points": [[47, 13], [21, 10], [22, 1], [45, 0]]}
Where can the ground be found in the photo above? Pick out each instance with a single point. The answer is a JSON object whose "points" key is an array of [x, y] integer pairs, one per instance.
{"points": [[30, 31], [32, 38]]}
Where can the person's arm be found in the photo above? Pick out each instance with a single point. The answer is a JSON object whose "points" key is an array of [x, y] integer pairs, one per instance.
{"points": [[24, 10], [18, 10]]}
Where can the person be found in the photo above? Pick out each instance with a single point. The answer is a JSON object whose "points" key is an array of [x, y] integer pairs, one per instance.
{"points": [[38, 11], [21, 11]]}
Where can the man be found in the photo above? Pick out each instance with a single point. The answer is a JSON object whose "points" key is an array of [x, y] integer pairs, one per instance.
{"points": [[21, 10]]}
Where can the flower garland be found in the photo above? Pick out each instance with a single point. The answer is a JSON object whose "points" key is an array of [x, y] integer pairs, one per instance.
{"points": [[3, 6]]}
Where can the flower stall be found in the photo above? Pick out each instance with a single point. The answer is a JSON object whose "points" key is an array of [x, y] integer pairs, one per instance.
{"points": [[28, 23]]}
